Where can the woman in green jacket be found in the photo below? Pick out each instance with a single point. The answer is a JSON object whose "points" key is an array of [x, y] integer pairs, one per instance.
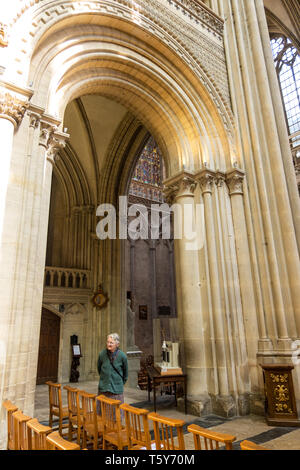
{"points": [[113, 369]]}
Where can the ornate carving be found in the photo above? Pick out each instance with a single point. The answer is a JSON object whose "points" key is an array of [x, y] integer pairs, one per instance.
{"points": [[182, 185], [51, 140], [55, 144], [207, 179], [235, 180], [12, 108], [198, 12], [34, 119], [281, 393], [197, 42]]}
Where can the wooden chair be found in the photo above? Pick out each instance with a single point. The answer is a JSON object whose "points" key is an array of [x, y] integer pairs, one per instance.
{"points": [[248, 445], [20, 430], [92, 423], [37, 434], [137, 427], [113, 431], [55, 406], [55, 441], [10, 408], [210, 438], [75, 413], [165, 430]]}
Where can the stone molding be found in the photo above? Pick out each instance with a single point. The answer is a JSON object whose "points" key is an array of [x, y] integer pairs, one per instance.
{"points": [[189, 28], [12, 108]]}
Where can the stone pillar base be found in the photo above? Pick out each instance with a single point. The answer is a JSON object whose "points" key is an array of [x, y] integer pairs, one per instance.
{"points": [[134, 357], [197, 406], [226, 406]]}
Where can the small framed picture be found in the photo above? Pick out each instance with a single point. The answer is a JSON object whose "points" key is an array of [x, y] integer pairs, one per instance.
{"points": [[76, 350], [143, 312]]}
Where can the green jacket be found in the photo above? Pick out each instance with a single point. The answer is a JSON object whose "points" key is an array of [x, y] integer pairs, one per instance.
{"points": [[110, 380]]}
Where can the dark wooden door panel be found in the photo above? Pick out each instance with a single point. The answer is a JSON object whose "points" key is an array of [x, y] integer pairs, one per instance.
{"points": [[48, 347]]}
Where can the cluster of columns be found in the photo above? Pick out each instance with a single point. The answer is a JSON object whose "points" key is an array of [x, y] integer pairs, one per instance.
{"points": [[213, 282], [30, 142], [223, 327], [273, 204]]}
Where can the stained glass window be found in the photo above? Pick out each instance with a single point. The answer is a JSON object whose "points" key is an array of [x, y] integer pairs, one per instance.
{"points": [[147, 177]]}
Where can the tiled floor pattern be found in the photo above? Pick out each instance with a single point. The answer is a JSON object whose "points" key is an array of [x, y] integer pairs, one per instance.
{"points": [[251, 427]]}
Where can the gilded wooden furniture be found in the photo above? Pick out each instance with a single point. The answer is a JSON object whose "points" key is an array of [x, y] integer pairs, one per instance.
{"points": [[155, 379], [37, 434], [75, 413], [168, 432], [248, 445], [113, 431], [92, 423], [55, 406], [205, 439], [54, 441], [280, 405], [137, 427], [10, 409], [20, 430]]}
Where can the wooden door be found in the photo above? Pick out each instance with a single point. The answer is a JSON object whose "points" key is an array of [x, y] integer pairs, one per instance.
{"points": [[48, 348]]}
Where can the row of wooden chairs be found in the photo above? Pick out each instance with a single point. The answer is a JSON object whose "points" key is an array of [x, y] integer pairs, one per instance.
{"points": [[108, 429], [26, 433]]}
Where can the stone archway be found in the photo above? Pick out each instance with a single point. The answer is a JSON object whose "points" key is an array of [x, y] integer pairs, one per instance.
{"points": [[157, 83]]}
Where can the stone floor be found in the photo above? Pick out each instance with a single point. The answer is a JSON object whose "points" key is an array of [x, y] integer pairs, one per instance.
{"points": [[251, 427]]}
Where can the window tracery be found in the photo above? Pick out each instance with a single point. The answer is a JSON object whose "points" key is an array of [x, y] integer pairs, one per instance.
{"points": [[287, 64]]}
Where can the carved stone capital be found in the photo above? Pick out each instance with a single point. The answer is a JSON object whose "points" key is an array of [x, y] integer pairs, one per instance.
{"points": [[206, 179], [182, 185], [12, 108], [235, 180], [46, 130], [56, 142], [51, 139], [34, 119], [220, 179]]}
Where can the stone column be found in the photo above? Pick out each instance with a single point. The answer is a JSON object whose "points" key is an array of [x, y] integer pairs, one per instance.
{"points": [[288, 266], [12, 110], [206, 180], [180, 190]]}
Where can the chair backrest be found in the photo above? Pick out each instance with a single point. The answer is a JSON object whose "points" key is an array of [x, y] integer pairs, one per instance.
{"points": [[165, 430], [89, 411], [210, 440], [55, 399], [111, 415], [37, 434], [20, 430], [73, 401], [54, 441], [248, 445], [10, 408], [137, 426]]}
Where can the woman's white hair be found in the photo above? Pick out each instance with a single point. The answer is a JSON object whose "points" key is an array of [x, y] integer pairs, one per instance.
{"points": [[115, 337]]}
